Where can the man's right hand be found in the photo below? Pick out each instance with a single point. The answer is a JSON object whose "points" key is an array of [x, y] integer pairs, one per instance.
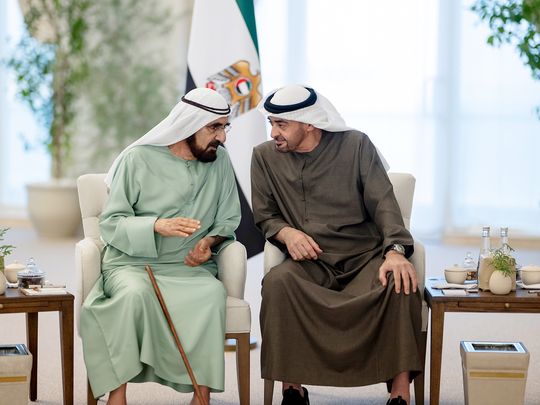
{"points": [[182, 227], [301, 246]]}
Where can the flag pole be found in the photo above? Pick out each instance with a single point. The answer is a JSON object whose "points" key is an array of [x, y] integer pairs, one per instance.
{"points": [[198, 392]]}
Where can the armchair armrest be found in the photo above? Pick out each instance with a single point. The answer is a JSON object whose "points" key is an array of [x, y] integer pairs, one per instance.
{"points": [[418, 260], [272, 256], [87, 270], [232, 265]]}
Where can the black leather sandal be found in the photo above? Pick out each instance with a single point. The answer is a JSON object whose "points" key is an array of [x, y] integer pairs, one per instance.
{"points": [[396, 401], [292, 396]]}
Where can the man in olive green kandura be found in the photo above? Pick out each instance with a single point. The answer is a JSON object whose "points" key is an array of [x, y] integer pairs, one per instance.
{"points": [[343, 309]]}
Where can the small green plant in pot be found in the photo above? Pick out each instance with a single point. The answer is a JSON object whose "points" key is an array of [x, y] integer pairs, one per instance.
{"points": [[503, 278], [5, 250], [503, 260]]}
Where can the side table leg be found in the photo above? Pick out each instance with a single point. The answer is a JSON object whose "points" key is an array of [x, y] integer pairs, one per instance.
{"points": [[66, 348], [32, 341], [437, 331]]}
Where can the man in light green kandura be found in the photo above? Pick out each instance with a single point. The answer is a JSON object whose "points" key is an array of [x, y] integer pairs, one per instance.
{"points": [[173, 202]]}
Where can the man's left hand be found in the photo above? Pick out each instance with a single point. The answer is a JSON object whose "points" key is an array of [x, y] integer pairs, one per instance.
{"points": [[200, 254], [404, 272]]}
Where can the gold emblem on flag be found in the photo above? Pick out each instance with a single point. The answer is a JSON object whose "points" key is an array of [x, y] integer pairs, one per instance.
{"points": [[238, 85]]}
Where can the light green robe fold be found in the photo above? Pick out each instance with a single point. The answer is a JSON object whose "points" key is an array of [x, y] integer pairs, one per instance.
{"points": [[125, 335]]}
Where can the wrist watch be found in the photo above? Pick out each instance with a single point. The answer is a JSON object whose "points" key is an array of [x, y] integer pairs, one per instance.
{"points": [[396, 247]]}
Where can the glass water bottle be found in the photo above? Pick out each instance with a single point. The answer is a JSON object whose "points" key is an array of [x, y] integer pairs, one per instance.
{"points": [[485, 251]]}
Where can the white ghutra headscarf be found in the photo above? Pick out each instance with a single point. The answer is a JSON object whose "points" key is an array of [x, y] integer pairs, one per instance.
{"points": [[303, 104], [196, 109]]}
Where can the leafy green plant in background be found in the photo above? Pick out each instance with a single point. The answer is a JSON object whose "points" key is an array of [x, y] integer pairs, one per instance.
{"points": [[515, 22], [85, 56], [49, 65], [129, 88]]}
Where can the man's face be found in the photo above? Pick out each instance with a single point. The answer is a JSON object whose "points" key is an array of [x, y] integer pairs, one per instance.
{"points": [[205, 141], [288, 135]]}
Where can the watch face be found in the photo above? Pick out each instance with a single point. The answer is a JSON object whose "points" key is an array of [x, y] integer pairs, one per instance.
{"points": [[398, 248]]}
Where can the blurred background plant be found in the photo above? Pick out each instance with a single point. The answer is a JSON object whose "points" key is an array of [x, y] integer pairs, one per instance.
{"points": [[515, 22], [129, 89], [50, 63], [97, 60]]}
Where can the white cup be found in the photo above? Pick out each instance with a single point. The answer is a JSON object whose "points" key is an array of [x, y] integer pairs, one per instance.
{"points": [[530, 274], [455, 275]]}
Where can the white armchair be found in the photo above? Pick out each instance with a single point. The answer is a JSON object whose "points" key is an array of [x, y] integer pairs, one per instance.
{"points": [[231, 271], [403, 184]]}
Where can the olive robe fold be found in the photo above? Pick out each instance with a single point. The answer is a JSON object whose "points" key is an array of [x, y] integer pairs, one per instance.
{"points": [[124, 332], [330, 321]]}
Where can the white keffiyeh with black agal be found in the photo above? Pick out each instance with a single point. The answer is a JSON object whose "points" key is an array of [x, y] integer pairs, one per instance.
{"points": [[196, 109], [304, 104]]}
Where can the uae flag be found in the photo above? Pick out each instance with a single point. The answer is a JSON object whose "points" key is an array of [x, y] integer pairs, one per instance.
{"points": [[223, 55]]}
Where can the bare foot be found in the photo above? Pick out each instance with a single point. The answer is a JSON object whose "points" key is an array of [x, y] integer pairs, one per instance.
{"points": [[118, 396], [400, 387], [205, 391]]}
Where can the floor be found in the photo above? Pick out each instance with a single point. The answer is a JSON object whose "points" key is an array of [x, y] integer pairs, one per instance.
{"points": [[56, 257]]}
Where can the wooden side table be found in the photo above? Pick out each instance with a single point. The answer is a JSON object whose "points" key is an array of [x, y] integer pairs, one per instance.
{"points": [[519, 301], [13, 301]]}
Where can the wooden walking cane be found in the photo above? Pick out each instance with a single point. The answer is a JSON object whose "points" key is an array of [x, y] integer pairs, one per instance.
{"points": [[176, 339]]}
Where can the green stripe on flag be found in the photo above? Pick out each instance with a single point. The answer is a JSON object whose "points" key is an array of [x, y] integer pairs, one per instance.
{"points": [[248, 12]]}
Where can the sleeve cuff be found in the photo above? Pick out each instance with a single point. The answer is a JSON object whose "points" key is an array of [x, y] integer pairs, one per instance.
{"points": [[220, 231], [409, 249], [140, 231], [272, 227]]}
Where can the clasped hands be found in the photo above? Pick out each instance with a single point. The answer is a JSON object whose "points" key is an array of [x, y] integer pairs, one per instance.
{"points": [[301, 246], [184, 227]]}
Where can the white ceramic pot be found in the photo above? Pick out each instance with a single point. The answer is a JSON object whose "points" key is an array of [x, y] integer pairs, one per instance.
{"points": [[54, 208], [3, 283], [11, 271], [500, 284]]}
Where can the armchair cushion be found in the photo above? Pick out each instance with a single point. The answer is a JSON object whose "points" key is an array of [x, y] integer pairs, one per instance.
{"points": [[238, 318]]}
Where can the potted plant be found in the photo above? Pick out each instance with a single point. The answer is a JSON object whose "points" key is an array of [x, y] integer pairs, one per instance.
{"points": [[5, 250], [503, 278], [49, 66]]}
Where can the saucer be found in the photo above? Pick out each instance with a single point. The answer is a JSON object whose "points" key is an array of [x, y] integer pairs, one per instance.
{"points": [[528, 286], [443, 285]]}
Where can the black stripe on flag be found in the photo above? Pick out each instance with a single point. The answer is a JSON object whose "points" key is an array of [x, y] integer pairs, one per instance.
{"points": [[247, 233]]}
